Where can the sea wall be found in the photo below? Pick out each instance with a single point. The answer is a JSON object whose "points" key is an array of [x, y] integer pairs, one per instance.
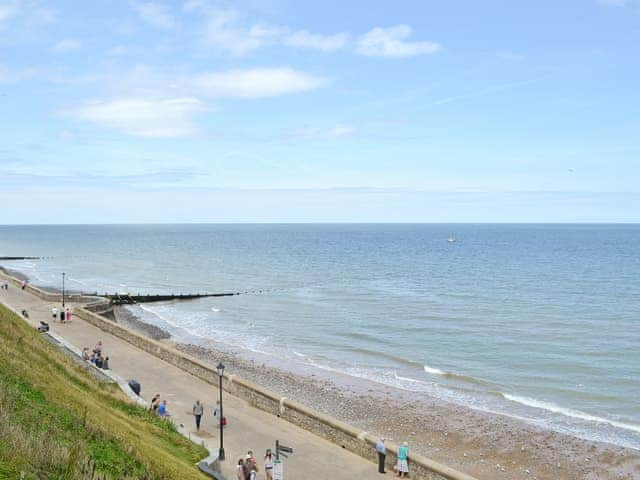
{"points": [[340, 433], [39, 292]]}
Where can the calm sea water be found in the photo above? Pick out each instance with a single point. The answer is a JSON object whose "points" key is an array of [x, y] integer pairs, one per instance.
{"points": [[537, 321]]}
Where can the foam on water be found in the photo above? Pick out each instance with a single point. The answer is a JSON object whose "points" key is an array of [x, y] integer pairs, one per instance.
{"points": [[433, 371], [568, 412]]}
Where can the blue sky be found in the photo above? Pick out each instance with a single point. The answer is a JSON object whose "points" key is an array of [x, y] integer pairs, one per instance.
{"points": [[275, 110]]}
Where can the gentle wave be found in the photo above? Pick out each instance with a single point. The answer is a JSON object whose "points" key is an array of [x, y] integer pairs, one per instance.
{"points": [[568, 412], [455, 376], [215, 310], [409, 379], [433, 371]]}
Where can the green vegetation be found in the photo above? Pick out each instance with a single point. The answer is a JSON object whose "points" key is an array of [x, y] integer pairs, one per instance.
{"points": [[57, 421]]}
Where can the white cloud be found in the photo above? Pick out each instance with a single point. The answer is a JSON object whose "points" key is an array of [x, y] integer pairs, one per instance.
{"points": [[144, 117], [155, 14], [27, 14], [257, 82], [225, 30], [391, 42], [222, 32], [66, 45], [325, 43]]}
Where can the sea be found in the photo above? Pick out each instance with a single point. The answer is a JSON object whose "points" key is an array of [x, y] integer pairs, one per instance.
{"points": [[534, 321]]}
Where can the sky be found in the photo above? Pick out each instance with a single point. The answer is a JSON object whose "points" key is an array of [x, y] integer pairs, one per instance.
{"points": [[305, 111]]}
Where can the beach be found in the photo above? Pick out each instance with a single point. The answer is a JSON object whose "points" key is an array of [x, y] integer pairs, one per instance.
{"points": [[487, 446]]}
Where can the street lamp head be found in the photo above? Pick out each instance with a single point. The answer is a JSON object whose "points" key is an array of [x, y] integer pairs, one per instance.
{"points": [[220, 368]]}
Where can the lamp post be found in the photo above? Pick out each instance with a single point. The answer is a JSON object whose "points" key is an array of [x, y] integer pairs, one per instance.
{"points": [[62, 289], [220, 368]]}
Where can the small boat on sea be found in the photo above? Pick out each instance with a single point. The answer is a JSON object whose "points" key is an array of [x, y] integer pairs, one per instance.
{"points": [[451, 239]]}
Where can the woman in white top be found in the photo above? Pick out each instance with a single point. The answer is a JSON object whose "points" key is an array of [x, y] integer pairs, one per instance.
{"points": [[268, 465], [240, 474]]}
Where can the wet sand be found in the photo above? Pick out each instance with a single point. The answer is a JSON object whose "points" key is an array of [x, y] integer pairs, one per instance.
{"points": [[488, 446]]}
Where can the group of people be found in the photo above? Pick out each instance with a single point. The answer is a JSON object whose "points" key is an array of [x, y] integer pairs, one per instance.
{"points": [[95, 356], [402, 467], [159, 406], [65, 315], [4, 285], [247, 468]]}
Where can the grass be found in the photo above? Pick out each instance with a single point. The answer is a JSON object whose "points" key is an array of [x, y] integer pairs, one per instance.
{"points": [[57, 421]]}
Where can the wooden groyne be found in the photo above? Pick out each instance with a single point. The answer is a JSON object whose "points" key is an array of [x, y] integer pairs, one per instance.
{"points": [[127, 299], [19, 258]]}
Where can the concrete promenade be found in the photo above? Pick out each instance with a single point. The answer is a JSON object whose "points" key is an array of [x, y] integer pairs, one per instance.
{"points": [[249, 428]]}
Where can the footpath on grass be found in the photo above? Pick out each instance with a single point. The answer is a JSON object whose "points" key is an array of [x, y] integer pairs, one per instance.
{"points": [[248, 428]]}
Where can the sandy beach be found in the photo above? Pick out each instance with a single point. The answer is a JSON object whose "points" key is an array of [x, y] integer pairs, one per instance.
{"points": [[488, 446]]}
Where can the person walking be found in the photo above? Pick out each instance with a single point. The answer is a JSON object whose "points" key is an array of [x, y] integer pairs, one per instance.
{"points": [[403, 457], [268, 465], [68, 314], [381, 450], [54, 313], [61, 316], [240, 473], [198, 410]]}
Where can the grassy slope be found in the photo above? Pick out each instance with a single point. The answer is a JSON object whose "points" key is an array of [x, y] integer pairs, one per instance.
{"points": [[56, 417]]}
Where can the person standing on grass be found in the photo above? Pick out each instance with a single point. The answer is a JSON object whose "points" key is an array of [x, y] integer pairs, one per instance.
{"points": [[403, 457], [381, 450], [198, 410]]}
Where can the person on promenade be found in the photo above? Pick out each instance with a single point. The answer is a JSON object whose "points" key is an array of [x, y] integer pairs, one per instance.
{"points": [[216, 413], [253, 473], [381, 450], [268, 465], [23, 284], [85, 354], [162, 409], [61, 316], [54, 313], [251, 463], [198, 410], [98, 347], [153, 406], [403, 457], [68, 314], [99, 360], [105, 364], [240, 470]]}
